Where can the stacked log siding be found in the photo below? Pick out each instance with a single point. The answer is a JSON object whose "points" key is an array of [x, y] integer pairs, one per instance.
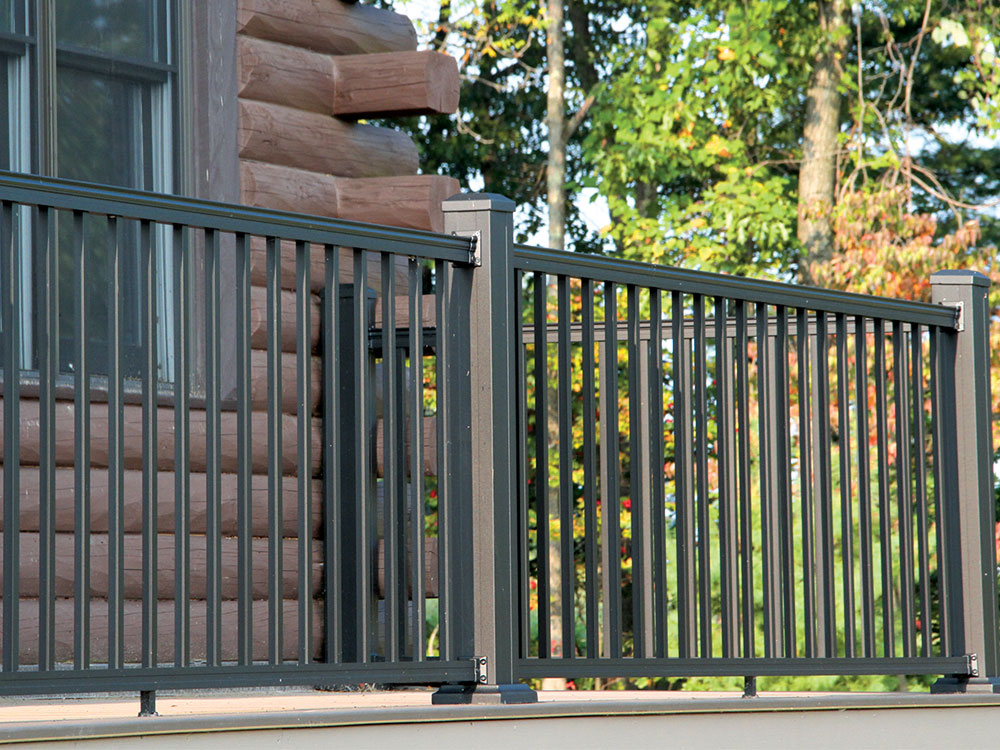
{"points": [[307, 71]]}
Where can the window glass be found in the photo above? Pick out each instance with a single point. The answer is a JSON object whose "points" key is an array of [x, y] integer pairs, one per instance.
{"points": [[100, 129], [113, 27], [102, 137], [7, 16]]}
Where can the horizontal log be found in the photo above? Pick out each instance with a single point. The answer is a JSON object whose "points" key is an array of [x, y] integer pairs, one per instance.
{"points": [[132, 631], [390, 84], [396, 84], [289, 319], [326, 25], [430, 446], [412, 201], [259, 392], [132, 438], [430, 568], [284, 74], [28, 570], [428, 312], [294, 138], [317, 272], [30, 493]]}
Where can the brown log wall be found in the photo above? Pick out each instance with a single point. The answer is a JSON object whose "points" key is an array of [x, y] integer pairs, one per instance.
{"points": [[132, 631], [30, 434], [165, 484], [306, 67]]}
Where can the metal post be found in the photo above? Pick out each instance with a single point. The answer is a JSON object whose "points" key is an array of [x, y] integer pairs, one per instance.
{"points": [[356, 407], [489, 321], [970, 577], [147, 703]]}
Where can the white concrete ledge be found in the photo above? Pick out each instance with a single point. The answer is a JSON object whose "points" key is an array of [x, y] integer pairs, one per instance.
{"points": [[309, 719]]}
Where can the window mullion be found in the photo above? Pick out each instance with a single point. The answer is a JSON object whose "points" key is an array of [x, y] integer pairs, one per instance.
{"points": [[45, 49]]}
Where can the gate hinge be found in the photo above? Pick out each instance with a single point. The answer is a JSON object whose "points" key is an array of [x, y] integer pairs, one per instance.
{"points": [[482, 670], [973, 665], [475, 246]]}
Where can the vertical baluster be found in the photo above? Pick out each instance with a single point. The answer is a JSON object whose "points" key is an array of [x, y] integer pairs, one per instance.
{"points": [[767, 386], [904, 496], [244, 455], [303, 398], [611, 481], [920, 482], [884, 517], [416, 391], [826, 600], [182, 451], [727, 489], [942, 478], [657, 499], [542, 465], [743, 467], [846, 518], [864, 490], [365, 621], [81, 450], [275, 512], [116, 469], [638, 410], [10, 299], [523, 468], [444, 459], [332, 437], [802, 339], [703, 534], [783, 480], [683, 483], [48, 368], [150, 381], [213, 453], [391, 483], [590, 470], [567, 563]]}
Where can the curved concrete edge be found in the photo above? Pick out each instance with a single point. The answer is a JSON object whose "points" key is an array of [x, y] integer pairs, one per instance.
{"points": [[354, 717]]}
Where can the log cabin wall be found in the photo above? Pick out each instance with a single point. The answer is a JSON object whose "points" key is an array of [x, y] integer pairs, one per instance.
{"points": [[288, 137], [308, 70], [308, 73]]}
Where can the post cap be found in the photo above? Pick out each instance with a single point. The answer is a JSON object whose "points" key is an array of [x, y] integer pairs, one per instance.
{"points": [[477, 202], [960, 277]]}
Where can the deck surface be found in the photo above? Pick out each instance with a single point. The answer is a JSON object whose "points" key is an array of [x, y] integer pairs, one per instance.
{"points": [[252, 718]]}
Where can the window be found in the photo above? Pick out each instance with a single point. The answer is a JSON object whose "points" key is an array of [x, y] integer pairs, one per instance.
{"points": [[88, 91]]}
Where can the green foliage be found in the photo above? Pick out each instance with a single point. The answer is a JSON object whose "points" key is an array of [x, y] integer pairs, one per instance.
{"points": [[694, 140], [692, 134]]}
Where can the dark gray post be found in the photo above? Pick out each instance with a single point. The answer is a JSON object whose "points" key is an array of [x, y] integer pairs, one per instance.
{"points": [[357, 601], [970, 534], [492, 544]]}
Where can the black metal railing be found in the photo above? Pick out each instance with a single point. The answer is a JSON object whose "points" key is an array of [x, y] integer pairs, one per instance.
{"points": [[757, 474], [245, 447], [216, 512]]}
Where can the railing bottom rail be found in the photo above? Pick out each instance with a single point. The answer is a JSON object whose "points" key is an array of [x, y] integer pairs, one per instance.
{"points": [[609, 668], [98, 680]]}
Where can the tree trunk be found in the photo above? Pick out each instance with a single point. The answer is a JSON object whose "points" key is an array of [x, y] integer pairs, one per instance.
{"points": [[819, 141], [555, 119]]}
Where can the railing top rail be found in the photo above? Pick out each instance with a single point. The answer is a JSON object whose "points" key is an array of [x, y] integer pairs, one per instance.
{"points": [[670, 278], [225, 217]]}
